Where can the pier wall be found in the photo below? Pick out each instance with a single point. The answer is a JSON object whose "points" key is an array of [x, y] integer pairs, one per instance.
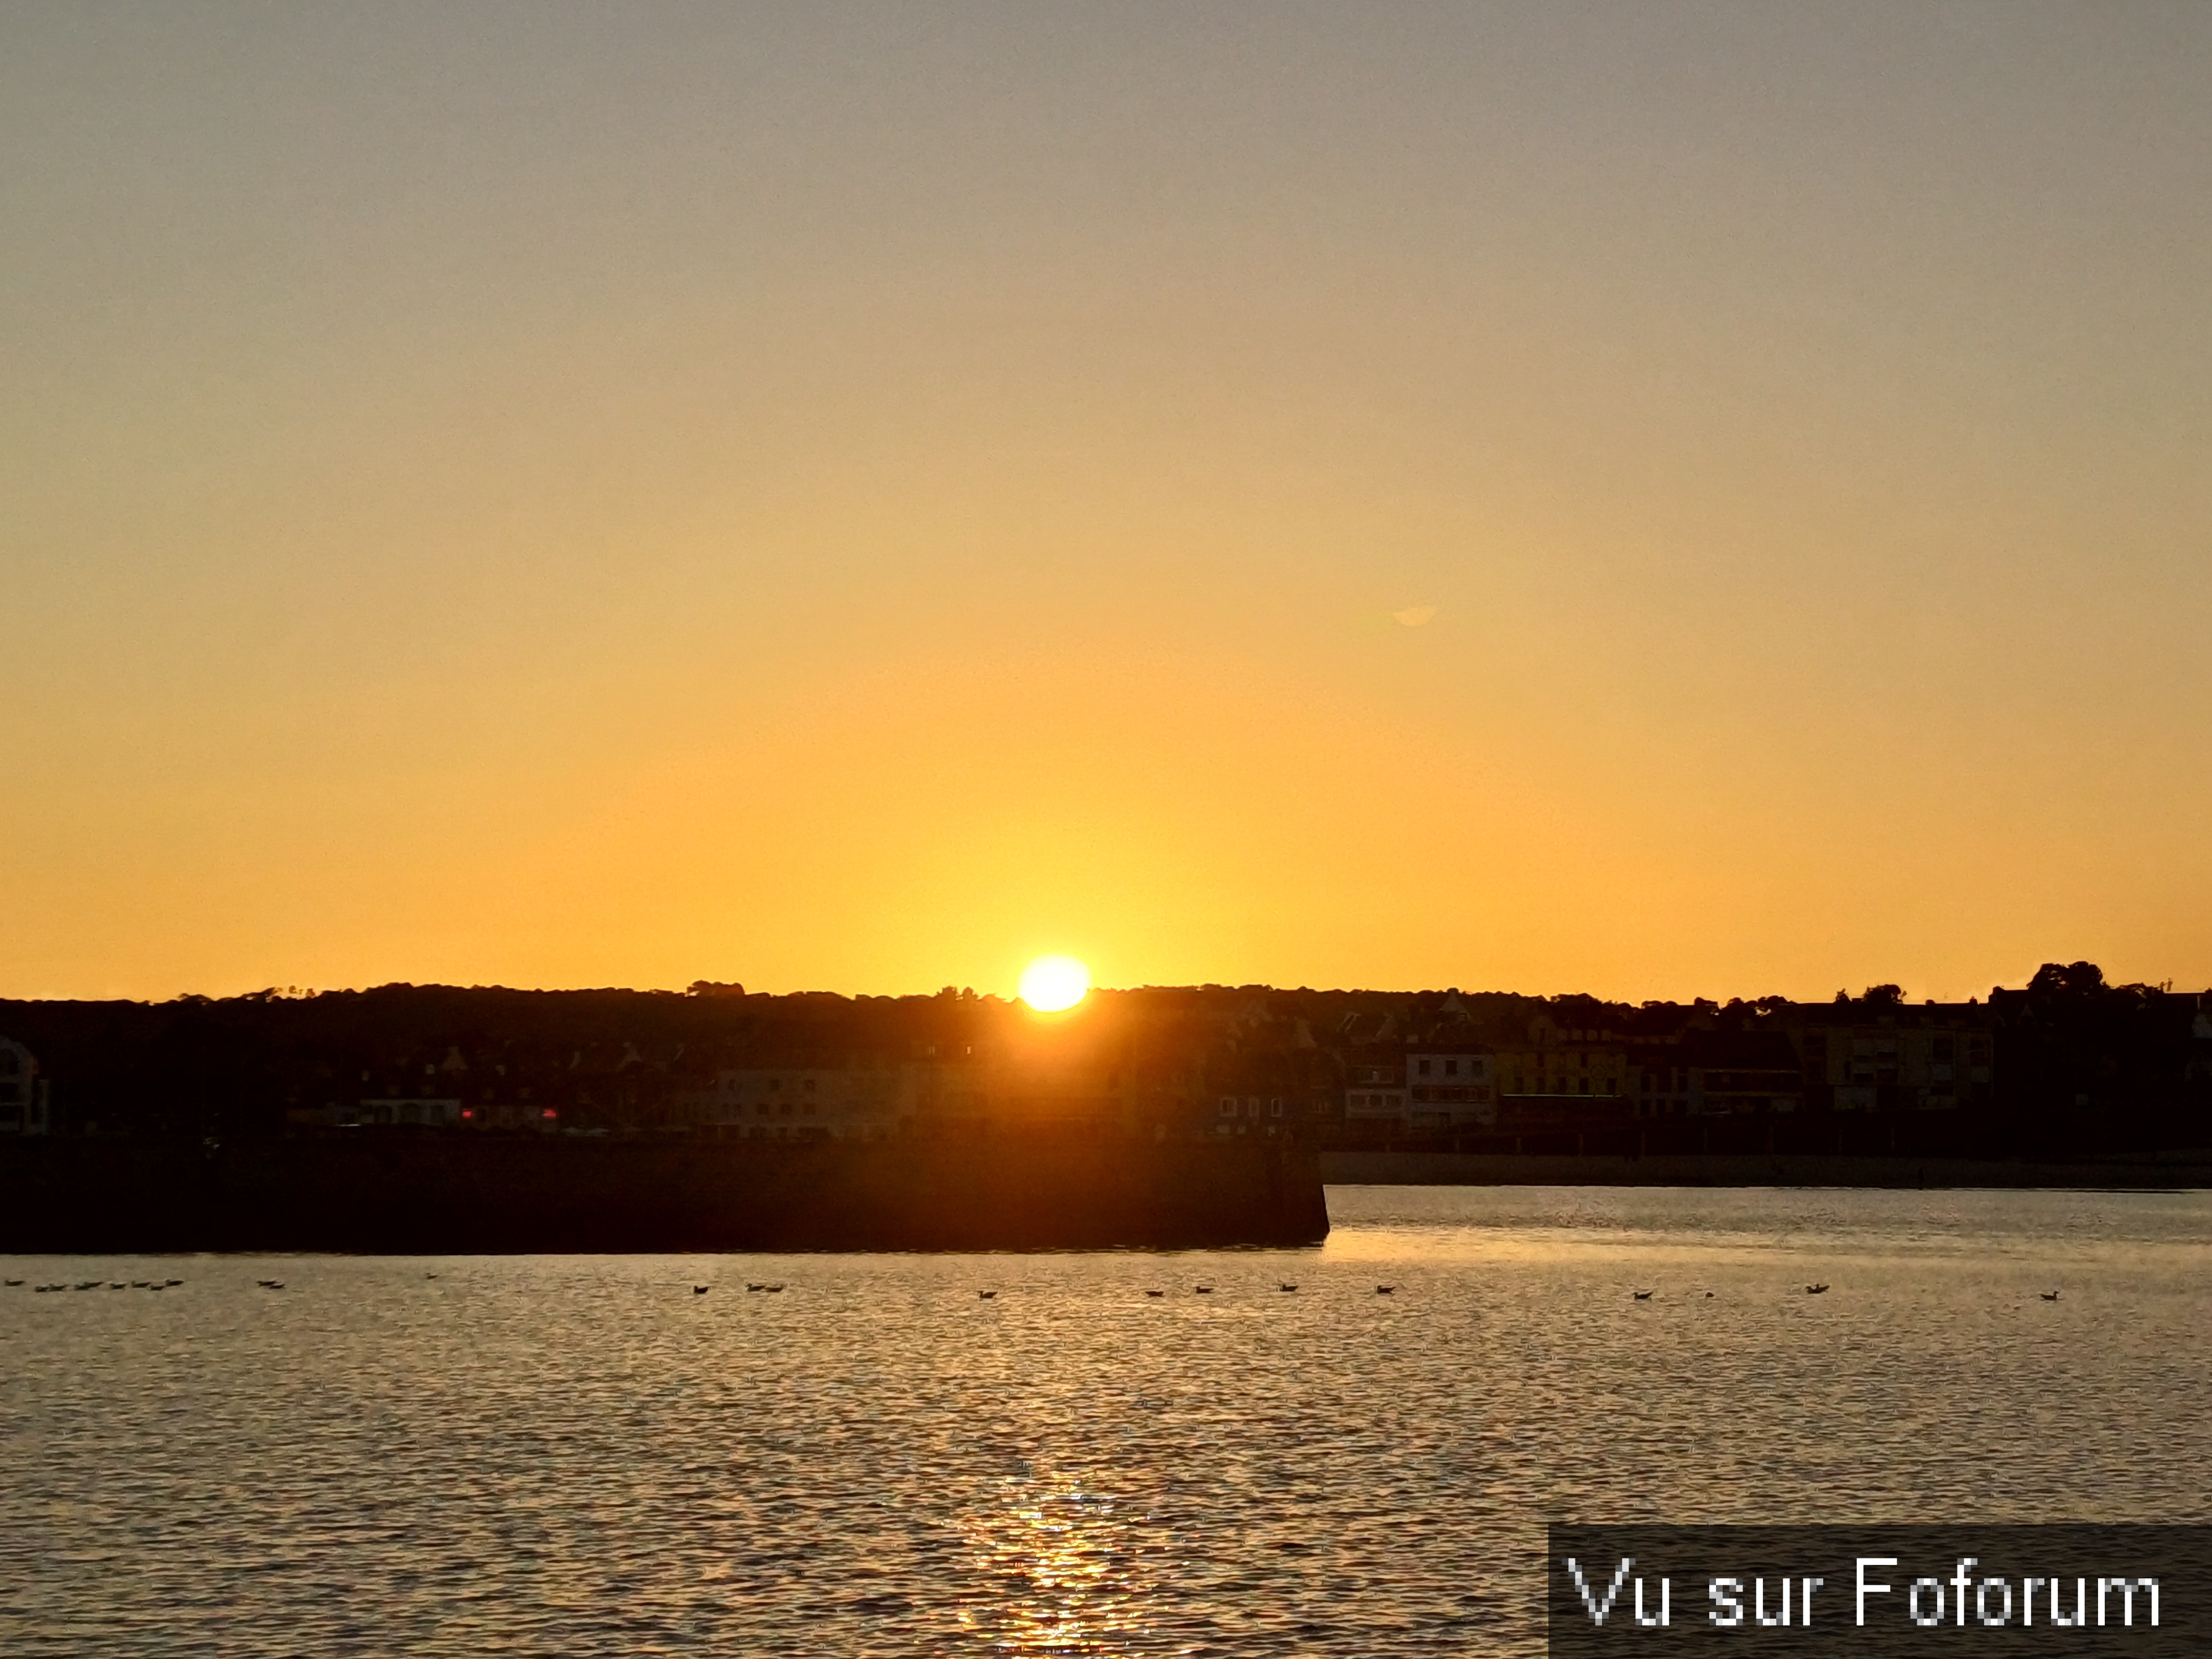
{"points": [[434, 1193]]}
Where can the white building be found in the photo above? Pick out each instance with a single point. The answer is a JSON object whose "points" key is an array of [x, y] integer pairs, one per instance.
{"points": [[23, 1102], [436, 1113], [1375, 1089], [1450, 1089], [804, 1102]]}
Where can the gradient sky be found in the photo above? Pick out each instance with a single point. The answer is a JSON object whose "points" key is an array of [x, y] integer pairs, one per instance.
{"points": [[851, 496]]}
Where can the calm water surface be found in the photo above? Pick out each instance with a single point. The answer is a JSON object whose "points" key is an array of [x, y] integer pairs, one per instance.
{"points": [[571, 1455]]}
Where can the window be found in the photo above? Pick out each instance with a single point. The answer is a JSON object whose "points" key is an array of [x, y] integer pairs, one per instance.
{"points": [[1425, 1068], [1252, 1106], [1451, 1068], [1275, 1108], [1228, 1106]]}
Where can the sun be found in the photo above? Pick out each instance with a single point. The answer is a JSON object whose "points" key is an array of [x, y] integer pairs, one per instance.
{"points": [[1051, 984]]}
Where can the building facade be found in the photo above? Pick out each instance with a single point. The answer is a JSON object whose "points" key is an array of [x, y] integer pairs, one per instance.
{"points": [[24, 1105], [1449, 1088]]}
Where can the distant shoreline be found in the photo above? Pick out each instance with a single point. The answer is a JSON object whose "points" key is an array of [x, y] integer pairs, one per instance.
{"points": [[2175, 1171]]}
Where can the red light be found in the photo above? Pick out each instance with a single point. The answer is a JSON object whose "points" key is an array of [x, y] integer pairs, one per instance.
{"points": [[468, 1111], [550, 1112]]}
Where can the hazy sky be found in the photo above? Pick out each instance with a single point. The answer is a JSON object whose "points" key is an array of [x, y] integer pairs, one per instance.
{"points": [[853, 497]]}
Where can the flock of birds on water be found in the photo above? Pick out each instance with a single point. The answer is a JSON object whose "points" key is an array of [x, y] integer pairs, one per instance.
{"points": [[112, 1285], [763, 1287]]}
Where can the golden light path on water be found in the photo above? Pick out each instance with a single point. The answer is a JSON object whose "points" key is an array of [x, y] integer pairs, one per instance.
{"points": [[1071, 1566]]}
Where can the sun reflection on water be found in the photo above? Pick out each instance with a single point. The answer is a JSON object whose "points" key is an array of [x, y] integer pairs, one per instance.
{"points": [[1069, 1568]]}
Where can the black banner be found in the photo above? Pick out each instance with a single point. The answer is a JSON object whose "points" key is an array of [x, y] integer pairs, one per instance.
{"points": [[2067, 1589]]}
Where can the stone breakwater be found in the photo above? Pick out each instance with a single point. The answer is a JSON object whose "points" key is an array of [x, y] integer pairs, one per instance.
{"points": [[435, 1194]]}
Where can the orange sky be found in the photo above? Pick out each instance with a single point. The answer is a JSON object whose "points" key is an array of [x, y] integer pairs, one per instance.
{"points": [[853, 497]]}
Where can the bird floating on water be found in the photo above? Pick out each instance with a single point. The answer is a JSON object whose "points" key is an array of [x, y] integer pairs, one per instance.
{"points": [[2050, 1295], [1386, 1290], [15, 1281], [1815, 1290], [1641, 1295], [698, 1290], [771, 1289], [986, 1295], [1155, 1292], [1281, 1287], [1206, 1290]]}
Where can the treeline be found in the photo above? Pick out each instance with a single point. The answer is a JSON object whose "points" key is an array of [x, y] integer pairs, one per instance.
{"points": [[2069, 1047]]}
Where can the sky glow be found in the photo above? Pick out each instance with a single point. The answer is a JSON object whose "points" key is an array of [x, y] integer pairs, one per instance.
{"points": [[1656, 501]]}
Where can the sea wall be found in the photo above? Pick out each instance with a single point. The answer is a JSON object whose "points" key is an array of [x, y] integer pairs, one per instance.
{"points": [[1404, 1168], [440, 1193]]}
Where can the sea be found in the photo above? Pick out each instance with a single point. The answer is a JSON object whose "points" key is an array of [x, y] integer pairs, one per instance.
{"points": [[1071, 1454]]}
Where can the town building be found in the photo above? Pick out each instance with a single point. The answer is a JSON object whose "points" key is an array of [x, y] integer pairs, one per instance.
{"points": [[1563, 1072], [808, 1102], [1928, 1057], [1375, 1089], [1450, 1089], [25, 1109], [421, 1111]]}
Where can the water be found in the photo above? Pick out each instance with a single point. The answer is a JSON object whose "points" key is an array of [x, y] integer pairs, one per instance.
{"points": [[573, 1455]]}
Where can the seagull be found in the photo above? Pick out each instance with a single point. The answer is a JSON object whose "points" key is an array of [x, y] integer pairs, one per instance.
{"points": [[986, 1295], [274, 1284], [1385, 1290], [173, 1283], [1815, 1290], [1643, 1296], [15, 1281], [118, 1285], [698, 1290], [2048, 1296], [1281, 1287]]}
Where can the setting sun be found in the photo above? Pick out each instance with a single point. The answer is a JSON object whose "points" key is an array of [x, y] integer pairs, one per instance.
{"points": [[1051, 984]]}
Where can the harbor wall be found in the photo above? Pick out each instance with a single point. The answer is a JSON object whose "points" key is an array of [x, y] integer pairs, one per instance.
{"points": [[1351, 1167], [433, 1193]]}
